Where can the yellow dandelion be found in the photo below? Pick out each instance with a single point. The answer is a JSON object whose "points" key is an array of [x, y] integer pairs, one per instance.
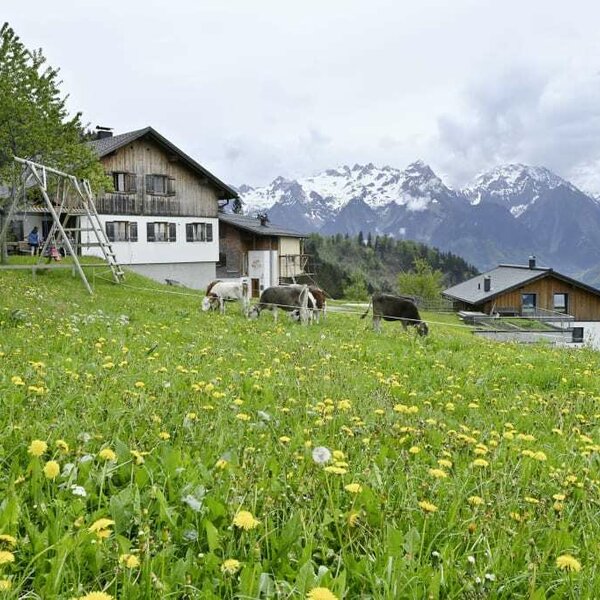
{"points": [[541, 456], [140, 384], [8, 539], [6, 557], [336, 470], [163, 435], [107, 454], [353, 519], [427, 506], [37, 448], [284, 439], [321, 593], [16, 380], [559, 497], [438, 473], [139, 457], [243, 417], [221, 464], [131, 561], [480, 462], [62, 446], [566, 562], [444, 462], [5, 585], [353, 488], [338, 455], [51, 469], [475, 500], [414, 449], [101, 527], [96, 596], [230, 566], [245, 520]]}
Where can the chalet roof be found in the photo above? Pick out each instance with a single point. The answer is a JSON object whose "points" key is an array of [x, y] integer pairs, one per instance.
{"points": [[106, 145], [253, 224], [505, 278]]}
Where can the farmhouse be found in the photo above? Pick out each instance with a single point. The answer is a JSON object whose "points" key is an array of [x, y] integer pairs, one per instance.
{"points": [[265, 253], [526, 291]]}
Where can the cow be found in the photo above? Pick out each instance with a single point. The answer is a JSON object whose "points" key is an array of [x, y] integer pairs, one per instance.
{"points": [[286, 297], [219, 291], [395, 308], [317, 305]]}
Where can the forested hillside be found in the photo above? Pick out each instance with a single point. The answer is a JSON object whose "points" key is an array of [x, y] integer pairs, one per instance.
{"points": [[341, 261]]}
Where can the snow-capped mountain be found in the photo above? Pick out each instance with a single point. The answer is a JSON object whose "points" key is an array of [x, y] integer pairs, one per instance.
{"points": [[514, 186], [504, 215]]}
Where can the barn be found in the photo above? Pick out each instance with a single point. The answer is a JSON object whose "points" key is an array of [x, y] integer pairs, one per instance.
{"points": [[526, 290]]}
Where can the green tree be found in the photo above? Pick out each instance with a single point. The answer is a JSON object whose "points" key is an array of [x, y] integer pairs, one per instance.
{"points": [[356, 288], [423, 281], [34, 120]]}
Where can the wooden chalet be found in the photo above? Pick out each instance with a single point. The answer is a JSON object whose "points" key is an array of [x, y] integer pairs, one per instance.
{"points": [[255, 248], [519, 290]]}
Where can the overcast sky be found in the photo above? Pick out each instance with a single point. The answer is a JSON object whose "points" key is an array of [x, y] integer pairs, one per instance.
{"points": [[254, 89]]}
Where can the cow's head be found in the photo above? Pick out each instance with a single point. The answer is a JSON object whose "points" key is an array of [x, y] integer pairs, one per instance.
{"points": [[254, 313], [422, 328], [210, 302]]}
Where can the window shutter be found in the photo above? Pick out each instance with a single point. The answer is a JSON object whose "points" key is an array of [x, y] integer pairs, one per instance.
{"points": [[130, 182], [172, 232], [171, 186], [150, 232], [133, 231], [209, 232], [110, 232], [189, 232], [150, 184]]}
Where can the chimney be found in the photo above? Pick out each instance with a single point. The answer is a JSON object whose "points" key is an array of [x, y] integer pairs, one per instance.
{"points": [[532, 262], [103, 132], [487, 283]]}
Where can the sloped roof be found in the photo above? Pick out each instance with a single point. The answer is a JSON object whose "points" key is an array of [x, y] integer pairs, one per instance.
{"points": [[503, 279], [253, 224], [106, 145]]}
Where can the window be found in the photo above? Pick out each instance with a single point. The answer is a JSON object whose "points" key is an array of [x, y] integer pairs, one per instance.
{"points": [[528, 302], [199, 232], [124, 183], [160, 185], [161, 232], [122, 231], [561, 303]]}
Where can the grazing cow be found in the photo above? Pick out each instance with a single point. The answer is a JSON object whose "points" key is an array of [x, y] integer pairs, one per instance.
{"points": [[395, 308], [286, 297], [317, 305], [218, 292]]}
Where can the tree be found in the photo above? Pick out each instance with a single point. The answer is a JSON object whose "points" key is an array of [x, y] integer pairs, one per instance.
{"points": [[423, 281], [356, 288], [34, 120]]}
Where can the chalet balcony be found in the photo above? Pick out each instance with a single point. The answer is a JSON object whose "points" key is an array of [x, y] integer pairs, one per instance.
{"points": [[130, 204], [293, 265]]}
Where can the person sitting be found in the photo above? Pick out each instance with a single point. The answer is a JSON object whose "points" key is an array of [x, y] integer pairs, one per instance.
{"points": [[33, 239]]}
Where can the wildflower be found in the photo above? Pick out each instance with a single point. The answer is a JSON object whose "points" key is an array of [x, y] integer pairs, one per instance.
{"points": [[438, 473], [414, 449], [480, 462], [338, 455], [78, 490], [475, 500], [321, 593], [321, 455], [16, 380], [336, 470], [51, 469], [37, 448], [139, 457], [353, 488], [163, 435], [559, 497], [5, 585], [243, 417], [221, 464], [444, 462], [62, 446], [140, 384], [566, 562], [131, 561], [6, 557], [353, 519], [8, 539], [427, 506], [230, 566], [96, 596], [101, 527], [107, 454], [284, 439], [244, 520], [539, 456]]}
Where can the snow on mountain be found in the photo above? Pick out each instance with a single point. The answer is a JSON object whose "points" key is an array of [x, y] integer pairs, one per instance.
{"points": [[514, 186], [415, 187]]}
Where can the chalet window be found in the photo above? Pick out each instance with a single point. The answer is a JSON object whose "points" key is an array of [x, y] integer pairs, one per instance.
{"points": [[161, 231], [122, 231], [528, 302], [124, 183], [561, 303], [160, 185], [199, 232]]}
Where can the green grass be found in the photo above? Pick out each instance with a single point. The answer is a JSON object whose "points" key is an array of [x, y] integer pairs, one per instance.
{"points": [[222, 415]]}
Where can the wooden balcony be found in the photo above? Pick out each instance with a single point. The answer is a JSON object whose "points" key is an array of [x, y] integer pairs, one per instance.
{"points": [[131, 204], [293, 265]]}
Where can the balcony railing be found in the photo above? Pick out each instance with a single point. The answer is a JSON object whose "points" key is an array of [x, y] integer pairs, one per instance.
{"points": [[292, 265], [129, 204]]}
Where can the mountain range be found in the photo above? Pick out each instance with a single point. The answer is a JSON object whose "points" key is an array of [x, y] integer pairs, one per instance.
{"points": [[503, 216]]}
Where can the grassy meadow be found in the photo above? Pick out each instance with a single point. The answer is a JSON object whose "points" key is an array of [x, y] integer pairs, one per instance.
{"points": [[150, 450]]}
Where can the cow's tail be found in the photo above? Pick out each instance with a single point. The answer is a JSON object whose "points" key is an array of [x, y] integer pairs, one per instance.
{"points": [[303, 298], [368, 308]]}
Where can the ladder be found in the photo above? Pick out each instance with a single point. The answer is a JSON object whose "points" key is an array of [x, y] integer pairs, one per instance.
{"points": [[79, 204]]}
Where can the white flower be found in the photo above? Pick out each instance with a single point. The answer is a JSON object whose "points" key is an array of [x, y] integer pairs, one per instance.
{"points": [[86, 458], [67, 469], [490, 577], [263, 416], [321, 455], [78, 490], [471, 560], [84, 437], [192, 502]]}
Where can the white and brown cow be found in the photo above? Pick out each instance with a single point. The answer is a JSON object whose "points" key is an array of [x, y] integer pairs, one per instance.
{"points": [[285, 297], [219, 291], [395, 308]]}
